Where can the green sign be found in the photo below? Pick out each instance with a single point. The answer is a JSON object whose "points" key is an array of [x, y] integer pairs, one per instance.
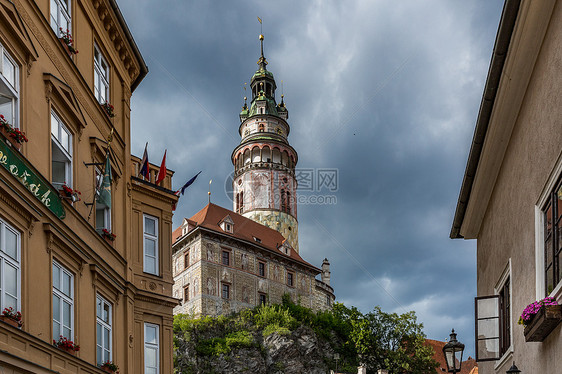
{"points": [[22, 170]]}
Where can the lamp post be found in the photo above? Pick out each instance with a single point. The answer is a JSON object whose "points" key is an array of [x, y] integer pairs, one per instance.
{"points": [[513, 369], [453, 353]]}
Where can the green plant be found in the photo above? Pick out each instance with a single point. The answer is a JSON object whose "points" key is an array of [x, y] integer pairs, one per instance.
{"points": [[110, 365]]}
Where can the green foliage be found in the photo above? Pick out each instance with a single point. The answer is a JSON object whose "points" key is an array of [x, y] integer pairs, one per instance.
{"points": [[378, 339], [274, 315], [275, 328]]}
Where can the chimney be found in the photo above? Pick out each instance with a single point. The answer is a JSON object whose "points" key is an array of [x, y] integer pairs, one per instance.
{"points": [[326, 271]]}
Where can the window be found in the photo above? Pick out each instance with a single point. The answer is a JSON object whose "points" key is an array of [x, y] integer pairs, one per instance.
{"points": [[60, 15], [493, 321], [186, 293], [103, 212], [61, 149], [225, 291], [261, 269], [328, 300], [552, 228], [263, 299], [63, 302], [150, 233], [151, 348], [9, 87], [9, 267], [103, 331], [290, 278], [186, 259], [101, 77], [226, 258]]}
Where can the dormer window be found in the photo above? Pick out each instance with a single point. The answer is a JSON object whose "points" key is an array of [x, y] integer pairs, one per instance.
{"points": [[227, 225], [285, 248], [257, 240]]}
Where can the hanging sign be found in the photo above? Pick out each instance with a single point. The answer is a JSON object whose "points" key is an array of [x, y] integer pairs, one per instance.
{"points": [[26, 174]]}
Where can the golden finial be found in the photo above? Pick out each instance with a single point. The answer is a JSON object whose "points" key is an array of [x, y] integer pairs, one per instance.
{"points": [[261, 37]]}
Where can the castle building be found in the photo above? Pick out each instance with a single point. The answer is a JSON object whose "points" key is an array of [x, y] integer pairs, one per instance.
{"points": [[97, 274], [224, 260]]}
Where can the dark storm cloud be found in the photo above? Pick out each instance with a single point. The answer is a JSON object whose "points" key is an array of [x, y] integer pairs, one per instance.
{"points": [[385, 92]]}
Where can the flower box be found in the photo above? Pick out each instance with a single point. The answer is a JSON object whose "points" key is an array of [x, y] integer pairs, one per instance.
{"points": [[542, 324], [10, 321]]}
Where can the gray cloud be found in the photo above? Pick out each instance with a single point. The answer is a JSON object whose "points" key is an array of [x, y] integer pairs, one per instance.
{"points": [[387, 92]]}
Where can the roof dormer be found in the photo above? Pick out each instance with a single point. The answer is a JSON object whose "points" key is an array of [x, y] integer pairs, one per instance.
{"points": [[285, 248], [227, 224]]}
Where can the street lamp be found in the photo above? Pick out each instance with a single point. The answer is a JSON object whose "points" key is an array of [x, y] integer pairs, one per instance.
{"points": [[513, 369], [453, 353]]}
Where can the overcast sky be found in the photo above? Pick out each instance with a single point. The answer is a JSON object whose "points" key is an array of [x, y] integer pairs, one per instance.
{"points": [[384, 92]]}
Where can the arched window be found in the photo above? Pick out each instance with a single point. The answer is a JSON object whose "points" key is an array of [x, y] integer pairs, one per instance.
{"points": [[261, 127]]}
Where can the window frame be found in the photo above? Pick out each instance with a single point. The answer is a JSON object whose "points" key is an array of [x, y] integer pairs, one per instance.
{"points": [[227, 252], [154, 237], [546, 195], [101, 76], [292, 278], [261, 296], [15, 263], [12, 89], [186, 293], [67, 153], [63, 298], [186, 259], [104, 325], [228, 293], [261, 266], [60, 9], [149, 345]]}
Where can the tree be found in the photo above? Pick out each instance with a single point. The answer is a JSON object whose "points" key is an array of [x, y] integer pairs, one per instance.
{"points": [[388, 341]]}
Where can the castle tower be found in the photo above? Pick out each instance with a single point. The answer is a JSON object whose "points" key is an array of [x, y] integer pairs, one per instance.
{"points": [[264, 182]]}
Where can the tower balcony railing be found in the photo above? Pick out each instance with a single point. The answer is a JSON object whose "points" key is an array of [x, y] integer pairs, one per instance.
{"points": [[263, 165]]}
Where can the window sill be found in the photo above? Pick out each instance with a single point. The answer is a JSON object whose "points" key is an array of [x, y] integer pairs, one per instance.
{"points": [[505, 358]]}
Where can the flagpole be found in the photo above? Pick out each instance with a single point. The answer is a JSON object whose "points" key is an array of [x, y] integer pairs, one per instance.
{"points": [[211, 181]]}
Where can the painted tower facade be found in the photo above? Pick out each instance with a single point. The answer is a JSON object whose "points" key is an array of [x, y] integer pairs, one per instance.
{"points": [[264, 183]]}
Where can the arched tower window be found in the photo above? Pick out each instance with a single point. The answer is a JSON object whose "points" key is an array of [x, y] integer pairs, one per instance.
{"points": [[289, 202], [241, 208], [283, 200], [261, 127]]}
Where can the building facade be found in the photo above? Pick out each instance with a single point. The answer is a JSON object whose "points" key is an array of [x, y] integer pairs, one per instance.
{"points": [[511, 196], [94, 266], [225, 260]]}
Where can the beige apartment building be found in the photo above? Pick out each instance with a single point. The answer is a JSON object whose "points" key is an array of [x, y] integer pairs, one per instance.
{"points": [[511, 196], [94, 267]]}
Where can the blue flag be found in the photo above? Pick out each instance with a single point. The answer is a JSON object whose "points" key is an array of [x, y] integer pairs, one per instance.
{"points": [[187, 184]]}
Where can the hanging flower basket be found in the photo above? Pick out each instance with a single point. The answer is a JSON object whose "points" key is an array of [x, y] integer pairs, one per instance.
{"points": [[69, 193], [11, 317], [540, 318], [67, 42]]}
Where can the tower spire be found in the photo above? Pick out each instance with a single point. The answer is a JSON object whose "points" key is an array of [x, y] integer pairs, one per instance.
{"points": [[262, 62]]}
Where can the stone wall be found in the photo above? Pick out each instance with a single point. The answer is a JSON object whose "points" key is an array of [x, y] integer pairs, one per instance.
{"points": [[206, 275]]}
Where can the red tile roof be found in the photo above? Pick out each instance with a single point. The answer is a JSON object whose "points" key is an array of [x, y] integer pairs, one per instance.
{"points": [[437, 346], [244, 228]]}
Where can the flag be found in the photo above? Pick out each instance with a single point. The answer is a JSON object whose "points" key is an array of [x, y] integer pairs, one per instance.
{"points": [[187, 184], [104, 196], [259, 19], [144, 163], [162, 172]]}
